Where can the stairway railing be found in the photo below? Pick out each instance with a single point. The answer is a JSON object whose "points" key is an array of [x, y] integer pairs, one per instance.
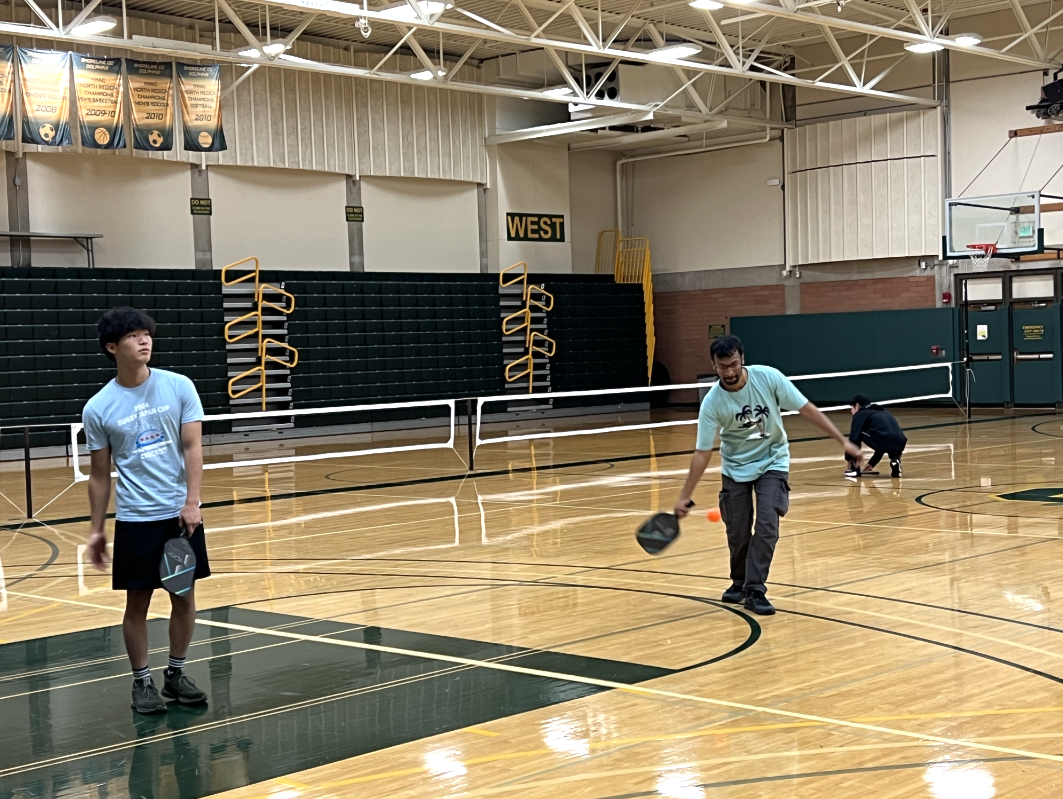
{"points": [[255, 318], [534, 341], [633, 265]]}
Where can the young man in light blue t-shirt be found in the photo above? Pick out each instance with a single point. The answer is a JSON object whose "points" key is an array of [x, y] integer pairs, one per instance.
{"points": [[744, 412], [149, 422]]}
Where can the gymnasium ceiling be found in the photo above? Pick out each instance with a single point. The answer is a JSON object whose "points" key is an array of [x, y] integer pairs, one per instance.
{"points": [[523, 48]]}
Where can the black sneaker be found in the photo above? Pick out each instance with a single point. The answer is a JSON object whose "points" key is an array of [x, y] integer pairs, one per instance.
{"points": [[146, 698], [735, 594], [895, 468], [179, 687], [852, 472], [758, 603]]}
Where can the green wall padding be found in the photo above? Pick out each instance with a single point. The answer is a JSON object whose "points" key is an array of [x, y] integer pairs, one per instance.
{"points": [[805, 344]]}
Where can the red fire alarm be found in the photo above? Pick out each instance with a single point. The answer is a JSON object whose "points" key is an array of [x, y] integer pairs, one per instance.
{"points": [[935, 350], [946, 297]]}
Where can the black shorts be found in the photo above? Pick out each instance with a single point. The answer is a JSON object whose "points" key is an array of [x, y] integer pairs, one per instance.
{"points": [[138, 549]]}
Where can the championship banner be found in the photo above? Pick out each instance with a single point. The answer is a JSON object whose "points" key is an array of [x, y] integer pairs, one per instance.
{"points": [[98, 85], [151, 101], [45, 79], [7, 92], [200, 88]]}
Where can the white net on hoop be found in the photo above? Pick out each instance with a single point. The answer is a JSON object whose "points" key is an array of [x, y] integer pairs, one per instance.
{"points": [[981, 255]]}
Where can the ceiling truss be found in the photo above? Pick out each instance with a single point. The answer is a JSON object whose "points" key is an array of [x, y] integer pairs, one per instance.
{"points": [[571, 36]]}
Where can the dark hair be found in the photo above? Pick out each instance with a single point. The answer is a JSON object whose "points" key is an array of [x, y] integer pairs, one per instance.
{"points": [[860, 399], [117, 322], [725, 346]]}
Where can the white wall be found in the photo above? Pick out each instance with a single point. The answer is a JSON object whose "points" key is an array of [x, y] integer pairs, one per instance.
{"points": [[420, 225], [289, 218], [592, 192], [712, 210], [140, 207], [528, 177]]}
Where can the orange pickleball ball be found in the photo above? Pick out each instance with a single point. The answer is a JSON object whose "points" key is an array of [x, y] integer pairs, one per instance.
{"points": [[713, 515]]}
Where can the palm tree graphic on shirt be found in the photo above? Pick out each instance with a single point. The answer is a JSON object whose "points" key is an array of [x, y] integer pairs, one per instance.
{"points": [[753, 417]]}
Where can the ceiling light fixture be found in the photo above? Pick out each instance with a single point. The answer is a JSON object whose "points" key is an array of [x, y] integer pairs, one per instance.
{"points": [[558, 91], [967, 39], [426, 74], [275, 48], [923, 47], [705, 5], [679, 50], [575, 108], [94, 25], [250, 52], [295, 59], [404, 12]]}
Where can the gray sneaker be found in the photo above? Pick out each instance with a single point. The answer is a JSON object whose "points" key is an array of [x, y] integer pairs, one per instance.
{"points": [[179, 687], [146, 698]]}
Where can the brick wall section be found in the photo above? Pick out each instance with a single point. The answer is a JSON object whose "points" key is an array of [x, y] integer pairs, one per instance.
{"points": [[877, 294], [681, 322]]}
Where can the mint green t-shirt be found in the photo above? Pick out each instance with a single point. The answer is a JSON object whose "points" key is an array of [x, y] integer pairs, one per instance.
{"points": [[752, 436]]}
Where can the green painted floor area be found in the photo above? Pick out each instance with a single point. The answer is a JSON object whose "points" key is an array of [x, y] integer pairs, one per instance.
{"points": [[276, 706]]}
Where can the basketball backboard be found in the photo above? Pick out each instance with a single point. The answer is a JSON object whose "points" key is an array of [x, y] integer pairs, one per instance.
{"points": [[1012, 222]]}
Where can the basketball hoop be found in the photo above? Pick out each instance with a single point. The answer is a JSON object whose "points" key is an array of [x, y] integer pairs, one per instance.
{"points": [[981, 255]]}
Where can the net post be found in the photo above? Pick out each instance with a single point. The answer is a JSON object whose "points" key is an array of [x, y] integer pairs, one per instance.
{"points": [[29, 478], [470, 434]]}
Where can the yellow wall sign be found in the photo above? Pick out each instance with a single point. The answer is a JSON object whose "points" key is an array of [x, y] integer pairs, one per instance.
{"points": [[535, 227], [1033, 332]]}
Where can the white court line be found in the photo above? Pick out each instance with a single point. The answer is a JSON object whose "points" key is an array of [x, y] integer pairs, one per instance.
{"points": [[3, 588]]}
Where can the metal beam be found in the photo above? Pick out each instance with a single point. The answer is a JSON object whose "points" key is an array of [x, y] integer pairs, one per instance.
{"points": [[44, 17], [877, 30], [240, 26], [639, 138], [1020, 15], [569, 127], [81, 16]]}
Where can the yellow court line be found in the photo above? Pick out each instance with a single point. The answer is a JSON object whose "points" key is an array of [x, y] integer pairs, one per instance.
{"points": [[638, 690], [478, 731], [623, 687]]}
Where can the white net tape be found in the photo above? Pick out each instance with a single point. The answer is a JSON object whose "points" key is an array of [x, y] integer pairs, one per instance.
{"points": [[609, 394], [449, 404]]}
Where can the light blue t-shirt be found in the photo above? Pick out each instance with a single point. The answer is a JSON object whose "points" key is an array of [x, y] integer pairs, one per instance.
{"points": [[142, 426], [752, 436]]}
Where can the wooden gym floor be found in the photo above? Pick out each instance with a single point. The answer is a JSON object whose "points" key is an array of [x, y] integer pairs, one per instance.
{"points": [[388, 627]]}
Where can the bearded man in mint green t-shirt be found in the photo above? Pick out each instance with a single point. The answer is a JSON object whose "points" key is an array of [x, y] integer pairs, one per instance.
{"points": [[744, 411]]}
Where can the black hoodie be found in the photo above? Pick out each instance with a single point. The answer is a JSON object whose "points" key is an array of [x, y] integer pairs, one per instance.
{"points": [[874, 422]]}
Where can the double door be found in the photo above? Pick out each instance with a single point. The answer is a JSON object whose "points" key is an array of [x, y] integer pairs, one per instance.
{"points": [[1012, 331]]}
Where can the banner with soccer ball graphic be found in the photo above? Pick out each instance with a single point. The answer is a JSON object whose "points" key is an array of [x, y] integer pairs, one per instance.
{"points": [[98, 85], [200, 88], [7, 92], [151, 101], [45, 79]]}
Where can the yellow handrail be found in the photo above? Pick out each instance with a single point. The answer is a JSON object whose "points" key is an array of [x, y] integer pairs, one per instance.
{"points": [[546, 303], [633, 266], [256, 315]]}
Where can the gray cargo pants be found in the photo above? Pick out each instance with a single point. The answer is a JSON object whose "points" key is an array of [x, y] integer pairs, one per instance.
{"points": [[752, 547]]}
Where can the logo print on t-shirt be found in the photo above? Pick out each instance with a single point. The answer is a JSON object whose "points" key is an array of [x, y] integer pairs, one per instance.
{"points": [[150, 438], [754, 417]]}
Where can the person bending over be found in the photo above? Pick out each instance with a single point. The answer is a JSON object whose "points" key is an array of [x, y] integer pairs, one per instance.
{"points": [[876, 427], [743, 411]]}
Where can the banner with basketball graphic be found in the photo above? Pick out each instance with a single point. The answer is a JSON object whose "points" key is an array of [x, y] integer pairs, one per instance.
{"points": [[200, 88], [7, 92], [98, 86], [44, 76], [151, 103]]}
